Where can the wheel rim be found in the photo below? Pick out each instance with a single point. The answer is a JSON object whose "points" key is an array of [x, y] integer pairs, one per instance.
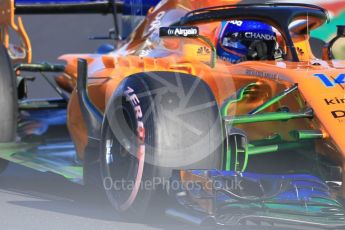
{"points": [[121, 165]]}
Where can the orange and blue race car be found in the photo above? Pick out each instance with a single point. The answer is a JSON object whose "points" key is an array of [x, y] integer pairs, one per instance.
{"points": [[220, 104]]}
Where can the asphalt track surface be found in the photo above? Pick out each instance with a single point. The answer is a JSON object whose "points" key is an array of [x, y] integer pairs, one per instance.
{"points": [[31, 200]]}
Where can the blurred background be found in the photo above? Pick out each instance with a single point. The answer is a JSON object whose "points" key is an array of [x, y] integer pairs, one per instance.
{"points": [[54, 35]]}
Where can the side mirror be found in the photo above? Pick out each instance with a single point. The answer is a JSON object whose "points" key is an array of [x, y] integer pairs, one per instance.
{"points": [[327, 53], [189, 32]]}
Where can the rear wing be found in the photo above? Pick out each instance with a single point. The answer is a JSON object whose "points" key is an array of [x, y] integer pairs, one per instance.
{"points": [[67, 7], [126, 7], [22, 53]]}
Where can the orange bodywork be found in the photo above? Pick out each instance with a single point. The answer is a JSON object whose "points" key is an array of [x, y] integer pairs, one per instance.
{"points": [[107, 71], [192, 56], [18, 52]]}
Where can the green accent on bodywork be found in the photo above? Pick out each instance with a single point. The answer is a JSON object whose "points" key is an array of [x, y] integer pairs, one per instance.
{"points": [[267, 146], [6, 149], [276, 144], [276, 116], [274, 100], [228, 160], [328, 31], [307, 134], [25, 154], [239, 97], [224, 112], [41, 104], [246, 159], [256, 150], [236, 158], [315, 210], [324, 200], [236, 164]]}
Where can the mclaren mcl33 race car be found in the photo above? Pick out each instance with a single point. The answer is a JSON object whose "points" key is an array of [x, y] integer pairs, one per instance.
{"points": [[253, 142]]}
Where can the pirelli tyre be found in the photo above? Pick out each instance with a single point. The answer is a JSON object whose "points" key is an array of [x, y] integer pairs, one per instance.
{"points": [[8, 102], [156, 122]]}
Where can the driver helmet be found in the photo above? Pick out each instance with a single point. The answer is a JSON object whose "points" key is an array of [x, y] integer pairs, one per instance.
{"points": [[235, 37]]}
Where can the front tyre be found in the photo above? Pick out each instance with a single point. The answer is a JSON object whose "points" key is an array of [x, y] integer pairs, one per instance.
{"points": [[154, 123], [8, 102]]}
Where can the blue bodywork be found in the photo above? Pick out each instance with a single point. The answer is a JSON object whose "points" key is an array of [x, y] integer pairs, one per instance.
{"points": [[234, 198]]}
